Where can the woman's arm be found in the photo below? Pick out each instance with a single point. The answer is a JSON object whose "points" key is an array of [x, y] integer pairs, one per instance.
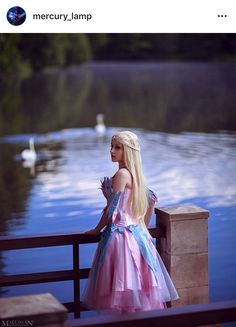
{"points": [[152, 199], [148, 216], [121, 178], [102, 222]]}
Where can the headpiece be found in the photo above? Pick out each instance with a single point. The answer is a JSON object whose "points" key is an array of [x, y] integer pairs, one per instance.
{"points": [[128, 138]]}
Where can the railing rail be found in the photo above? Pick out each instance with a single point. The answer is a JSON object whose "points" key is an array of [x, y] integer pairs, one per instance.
{"points": [[187, 316], [59, 239]]}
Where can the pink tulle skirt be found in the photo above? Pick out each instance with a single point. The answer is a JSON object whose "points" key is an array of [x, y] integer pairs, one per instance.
{"points": [[124, 282]]}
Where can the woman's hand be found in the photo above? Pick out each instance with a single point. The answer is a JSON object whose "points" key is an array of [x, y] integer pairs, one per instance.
{"points": [[93, 231]]}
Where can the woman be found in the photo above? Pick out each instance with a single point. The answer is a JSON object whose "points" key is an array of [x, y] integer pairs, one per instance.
{"points": [[127, 273]]}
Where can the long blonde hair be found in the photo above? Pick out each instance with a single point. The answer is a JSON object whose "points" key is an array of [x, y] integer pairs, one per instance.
{"points": [[132, 161]]}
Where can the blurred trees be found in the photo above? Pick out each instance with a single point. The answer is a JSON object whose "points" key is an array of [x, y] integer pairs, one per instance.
{"points": [[12, 62], [53, 50], [21, 54], [168, 47]]}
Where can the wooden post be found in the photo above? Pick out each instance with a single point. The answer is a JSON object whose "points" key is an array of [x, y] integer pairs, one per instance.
{"points": [[184, 251], [76, 281], [32, 311]]}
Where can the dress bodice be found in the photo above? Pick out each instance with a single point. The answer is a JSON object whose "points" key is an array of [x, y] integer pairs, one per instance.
{"points": [[119, 203]]}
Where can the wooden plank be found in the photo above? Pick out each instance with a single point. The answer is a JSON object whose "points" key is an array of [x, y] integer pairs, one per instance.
{"points": [[52, 276], [157, 232], [34, 241], [187, 316], [70, 306], [57, 239], [44, 277], [83, 273]]}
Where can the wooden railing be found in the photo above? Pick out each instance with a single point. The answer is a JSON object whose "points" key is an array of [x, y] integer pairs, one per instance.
{"points": [[47, 240], [183, 316], [173, 223]]}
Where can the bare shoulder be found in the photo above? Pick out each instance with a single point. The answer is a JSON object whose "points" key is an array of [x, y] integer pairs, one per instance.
{"points": [[124, 174], [121, 179]]}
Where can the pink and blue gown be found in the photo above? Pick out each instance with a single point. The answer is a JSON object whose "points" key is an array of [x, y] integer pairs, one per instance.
{"points": [[127, 274]]}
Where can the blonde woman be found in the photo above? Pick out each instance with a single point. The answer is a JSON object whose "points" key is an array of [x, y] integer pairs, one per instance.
{"points": [[127, 273]]}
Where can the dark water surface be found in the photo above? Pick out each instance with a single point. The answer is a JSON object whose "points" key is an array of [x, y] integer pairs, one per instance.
{"points": [[168, 96]]}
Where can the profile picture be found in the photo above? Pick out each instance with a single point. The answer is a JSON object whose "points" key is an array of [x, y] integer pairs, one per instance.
{"points": [[16, 15]]}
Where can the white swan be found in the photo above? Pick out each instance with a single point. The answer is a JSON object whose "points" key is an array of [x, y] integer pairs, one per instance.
{"points": [[100, 127], [29, 154]]}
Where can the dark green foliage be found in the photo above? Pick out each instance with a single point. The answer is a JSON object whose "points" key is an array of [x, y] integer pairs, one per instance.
{"points": [[53, 50], [12, 61], [22, 53]]}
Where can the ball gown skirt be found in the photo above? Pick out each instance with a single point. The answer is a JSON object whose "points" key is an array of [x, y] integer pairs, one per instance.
{"points": [[127, 274]]}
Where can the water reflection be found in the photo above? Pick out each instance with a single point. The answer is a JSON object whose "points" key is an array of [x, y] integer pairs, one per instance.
{"points": [[157, 96], [70, 163], [64, 195]]}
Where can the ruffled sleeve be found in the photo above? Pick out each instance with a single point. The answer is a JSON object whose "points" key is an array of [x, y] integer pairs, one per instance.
{"points": [[152, 198], [106, 187], [113, 203], [113, 198]]}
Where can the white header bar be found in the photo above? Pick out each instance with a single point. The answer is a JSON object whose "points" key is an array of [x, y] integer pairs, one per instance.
{"points": [[123, 16]]}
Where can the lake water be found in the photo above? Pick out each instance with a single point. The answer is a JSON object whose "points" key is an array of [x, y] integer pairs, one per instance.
{"points": [[168, 97], [61, 193]]}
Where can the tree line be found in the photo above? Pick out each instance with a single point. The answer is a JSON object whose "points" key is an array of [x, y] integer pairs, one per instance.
{"points": [[22, 54]]}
